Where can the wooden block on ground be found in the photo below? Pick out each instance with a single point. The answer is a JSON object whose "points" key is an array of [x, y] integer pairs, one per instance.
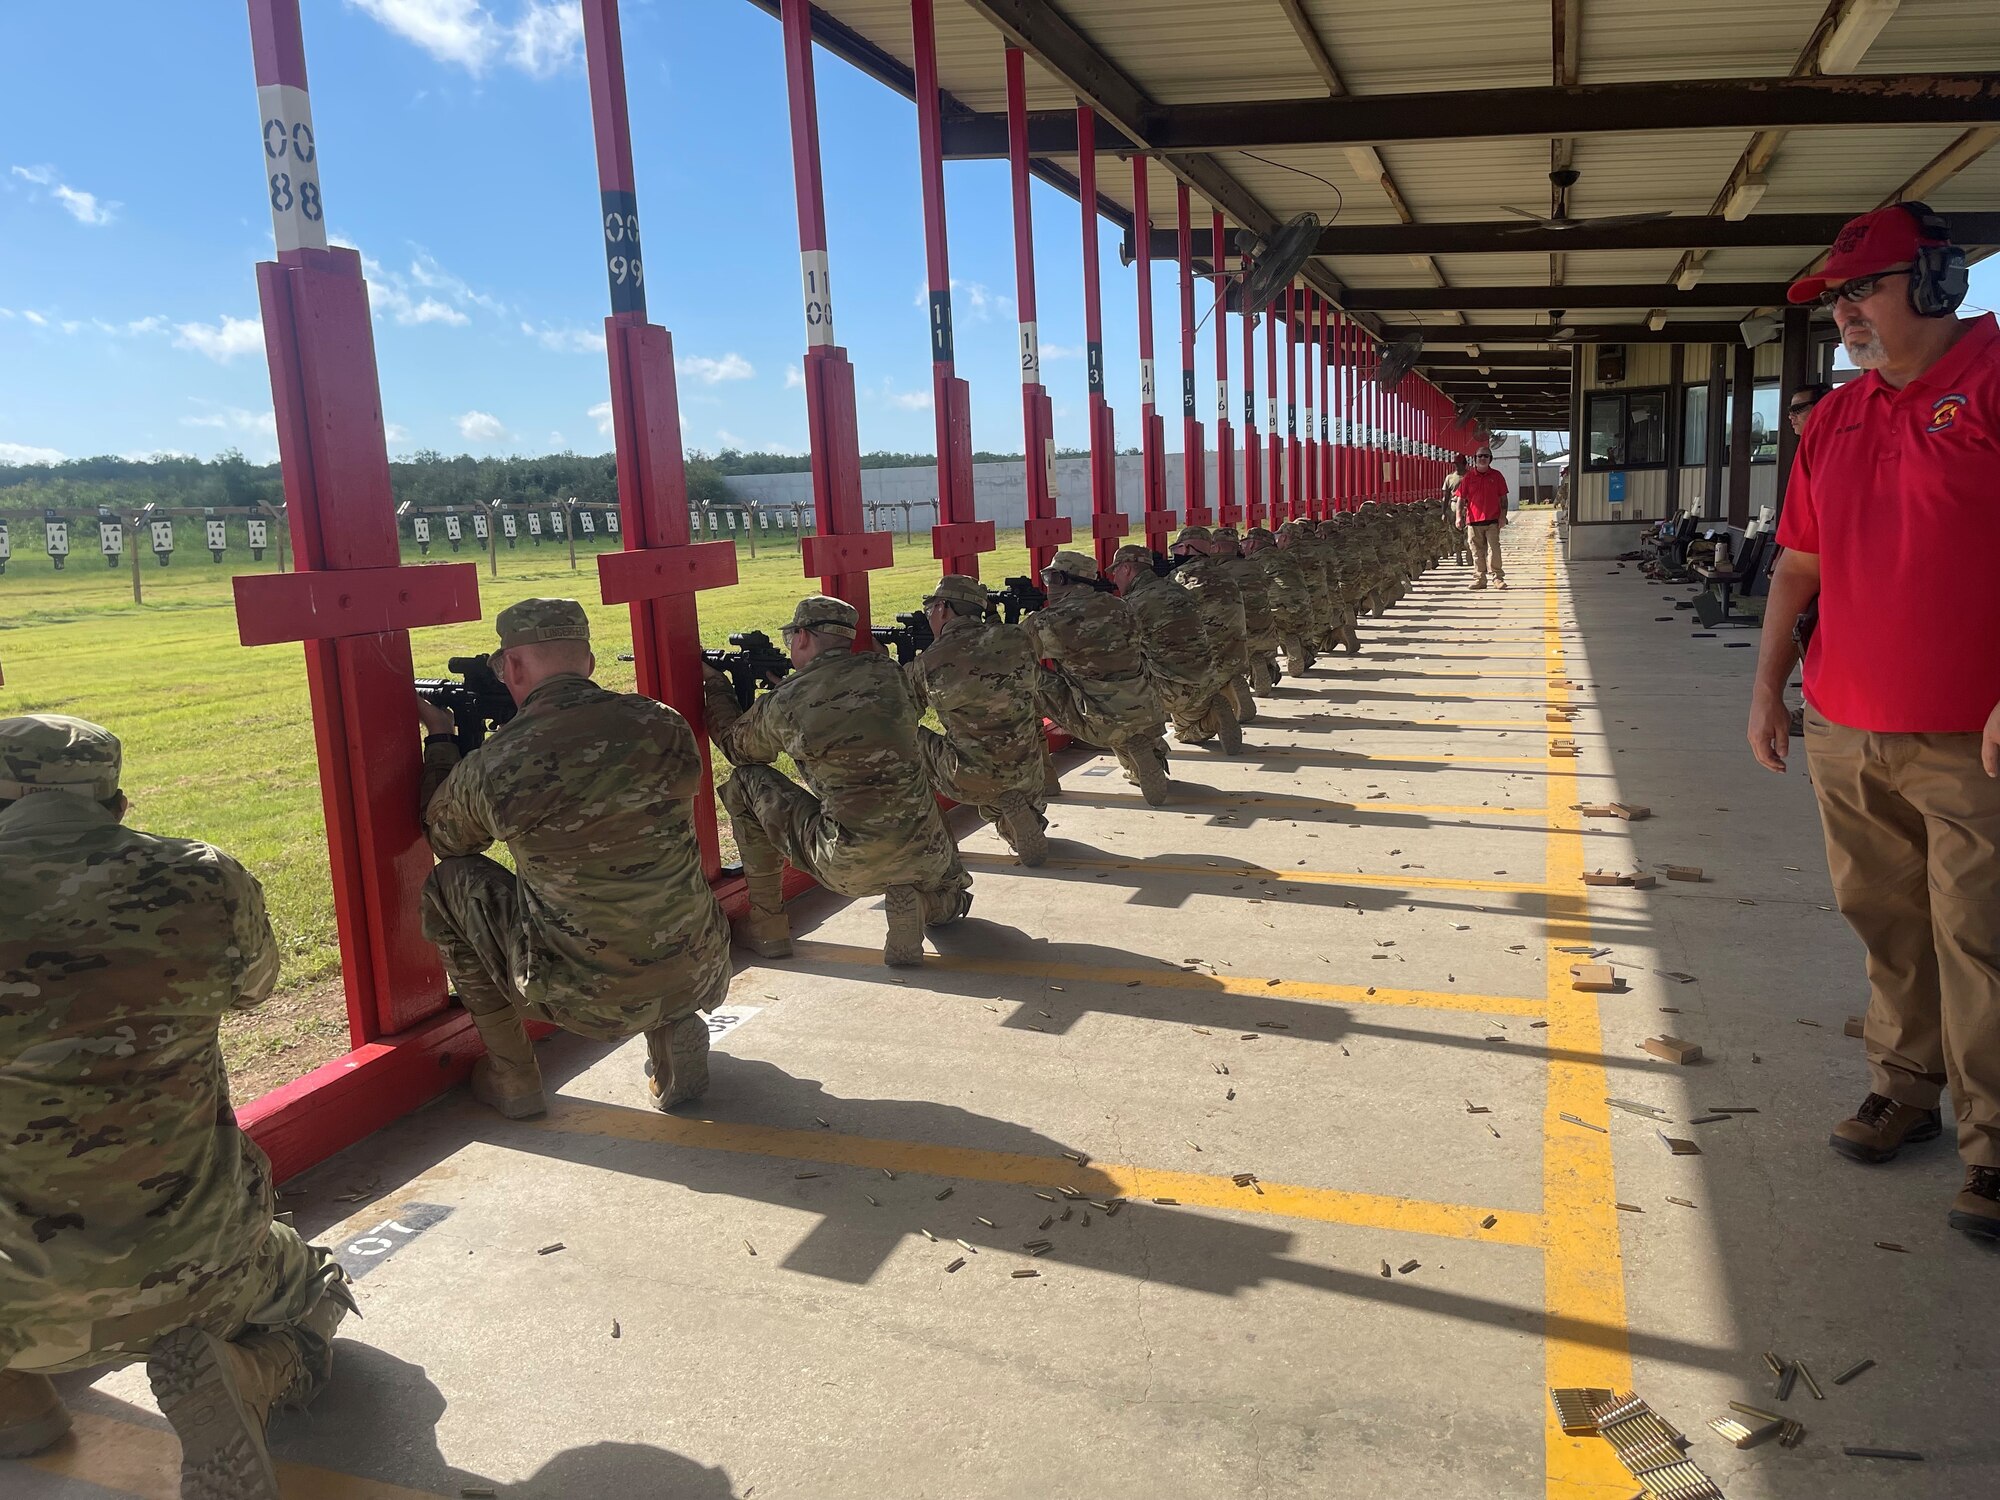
{"points": [[1853, 1027], [1643, 882], [1683, 872], [1631, 812], [1594, 977], [1672, 1049], [1597, 809], [1605, 877]]}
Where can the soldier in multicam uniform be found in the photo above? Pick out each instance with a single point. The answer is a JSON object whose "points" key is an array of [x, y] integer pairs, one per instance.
{"points": [[1095, 683], [1260, 626], [1291, 597], [865, 823], [1297, 541], [1212, 580], [1343, 595], [1176, 647], [136, 1222], [981, 676], [608, 928]]}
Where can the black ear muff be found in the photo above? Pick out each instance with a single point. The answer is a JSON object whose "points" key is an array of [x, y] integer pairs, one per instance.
{"points": [[1939, 279]]}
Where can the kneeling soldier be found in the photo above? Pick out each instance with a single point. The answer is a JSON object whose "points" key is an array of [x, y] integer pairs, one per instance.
{"points": [[1211, 578], [1096, 684], [1291, 597], [865, 823], [137, 1220], [1175, 642], [980, 676], [1260, 625], [608, 927]]}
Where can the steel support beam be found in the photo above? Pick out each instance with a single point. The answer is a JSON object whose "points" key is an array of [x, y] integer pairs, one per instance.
{"points": [[1473, 114], [1586, 333], [1532, 298]]}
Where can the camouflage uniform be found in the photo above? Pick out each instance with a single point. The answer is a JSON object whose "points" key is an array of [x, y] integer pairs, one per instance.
{"points": [[980, 676], [1260, 626], [1286, 581], [1299, 542], [865, 821], [1212, 580], [1177, 653], [1096, 684], [136, 1219], [608, 928]]}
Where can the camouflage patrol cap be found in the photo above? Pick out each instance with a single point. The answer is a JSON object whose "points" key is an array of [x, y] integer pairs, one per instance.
{"points": [[825, 613], [959, 591], [1223, 531], [55, 753], [1192, 534], [1133, 555], [1075, 565], [1257, 533], [532, 621]]}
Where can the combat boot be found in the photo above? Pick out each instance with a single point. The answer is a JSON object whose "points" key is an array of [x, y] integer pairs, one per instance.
{"points": [[1023, 829], [1230, 731], [904, 946], [32, 1414], [945, 904], [1245, 700], [217, 1396], [507, 1079], [677, 1061], [1147, 769], [1349, 637], [1881, 1128], [765, 929], [1262, 678], [1051, 777]]}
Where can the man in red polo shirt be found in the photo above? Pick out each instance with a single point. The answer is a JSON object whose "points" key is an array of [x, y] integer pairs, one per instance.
{"points": [[1483, 496], [1892, 522]]}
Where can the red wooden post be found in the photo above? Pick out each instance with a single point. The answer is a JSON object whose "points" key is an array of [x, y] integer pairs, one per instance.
{"points": [[1294, 465], [1252, 480], [350, 602], [844, 552], [1274, 448], [1315, 409], [1225, 441], [1046, 531], [1157, 520], [1193, 460], [660, 568], [1338, 374], [1108, 526], [959, 536], [1324, 360]]}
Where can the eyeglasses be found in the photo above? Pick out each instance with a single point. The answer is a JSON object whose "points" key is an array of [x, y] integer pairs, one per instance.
{"points": [[1860, 289], [1482, 458], [1799, 409]]}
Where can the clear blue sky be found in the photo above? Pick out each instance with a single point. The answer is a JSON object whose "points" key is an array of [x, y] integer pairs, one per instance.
{"points": [[456, 153]]}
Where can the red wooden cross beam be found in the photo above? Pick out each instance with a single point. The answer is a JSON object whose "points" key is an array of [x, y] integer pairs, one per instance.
{"points": [[661, 568], [350, 602], [843, 554], [1108, 525]]}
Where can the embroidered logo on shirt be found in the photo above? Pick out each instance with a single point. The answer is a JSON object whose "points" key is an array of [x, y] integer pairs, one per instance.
{"points": [[1944, 413]]}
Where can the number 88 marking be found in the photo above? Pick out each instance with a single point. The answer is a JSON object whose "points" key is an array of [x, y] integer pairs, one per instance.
{"points": [[308, 198], [623, 269]]}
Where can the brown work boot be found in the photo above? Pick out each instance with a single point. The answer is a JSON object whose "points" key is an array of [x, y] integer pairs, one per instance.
{"points": [[32, 1415], [904, 946], [1881, 1127], [1146, 770], [1246, 700], [1348, 637], [765, 929], [945, 904], [1976, 1209], [677, 1061], [1023, 828], [1228, 729], [218, 1396], [507, 1078]]}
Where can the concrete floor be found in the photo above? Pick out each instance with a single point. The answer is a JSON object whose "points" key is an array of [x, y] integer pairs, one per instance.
{"points": [[1315, 967]]}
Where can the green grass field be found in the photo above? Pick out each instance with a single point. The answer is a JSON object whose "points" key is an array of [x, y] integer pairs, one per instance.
{"points": [[218, 739]]}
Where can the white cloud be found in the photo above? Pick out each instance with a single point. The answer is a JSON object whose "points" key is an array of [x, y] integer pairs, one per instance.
{"points": [[34, 317], [908, 400], [28, 453], [547, 38], [729, 439], [731, 366], [426, 272], [6, 312], [601, 415], [795, 378], [395, 432], [566, 340], [543, 39], [222, 341], [482, 427], [1062, 351], [85, 208], [427, 294], [238, 419], [973, 299]]}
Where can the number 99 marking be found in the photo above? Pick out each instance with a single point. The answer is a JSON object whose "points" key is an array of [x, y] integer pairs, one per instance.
{"points": [[623, 270]]}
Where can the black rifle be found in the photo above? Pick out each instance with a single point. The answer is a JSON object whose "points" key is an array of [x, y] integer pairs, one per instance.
{"points": [[478, 699], [757, 662], [910, 634], [1019, 597]]}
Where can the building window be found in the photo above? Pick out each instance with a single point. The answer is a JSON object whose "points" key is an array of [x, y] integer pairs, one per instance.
{"points": [[1694, 427], [1627, 429], [1763, 423]]}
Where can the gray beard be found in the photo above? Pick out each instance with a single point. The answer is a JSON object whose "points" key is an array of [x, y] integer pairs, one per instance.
{"points": [[1868, 354]]}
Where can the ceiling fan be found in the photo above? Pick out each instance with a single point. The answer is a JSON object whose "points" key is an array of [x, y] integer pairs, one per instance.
{"points": [[1564, 178]]}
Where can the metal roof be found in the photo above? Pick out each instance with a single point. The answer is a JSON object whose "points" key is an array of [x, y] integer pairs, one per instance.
{"points": [[1159, 55]]}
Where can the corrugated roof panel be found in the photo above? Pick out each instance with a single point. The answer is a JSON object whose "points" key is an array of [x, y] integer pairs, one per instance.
{"points": [[1630, 40], [1197, 51], [1407, 46], [1977, 187], [1935, 36], [1847, 171], [1677, 170]]}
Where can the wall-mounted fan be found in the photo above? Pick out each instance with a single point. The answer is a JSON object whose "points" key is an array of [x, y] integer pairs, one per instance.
{"points": [[1398, 360], [1274, 261]]}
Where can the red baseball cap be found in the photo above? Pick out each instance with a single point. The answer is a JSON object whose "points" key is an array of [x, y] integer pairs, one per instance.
{"points": [[1886, 239]]}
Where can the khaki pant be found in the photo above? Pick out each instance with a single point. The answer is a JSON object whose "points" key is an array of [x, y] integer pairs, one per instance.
{"points": [[1913, 843], [1486, 551]]}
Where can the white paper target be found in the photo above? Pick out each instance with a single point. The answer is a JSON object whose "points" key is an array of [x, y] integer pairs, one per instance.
{"points": [[110, 537]]}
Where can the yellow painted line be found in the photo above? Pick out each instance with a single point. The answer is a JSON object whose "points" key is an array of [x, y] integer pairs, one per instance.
{"points": [[1360, 721], [1245, 985], [1362, 757], [1276, 877], [1455, 1221], [133, 1459], [1288, 799], [1583, 1276]]}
